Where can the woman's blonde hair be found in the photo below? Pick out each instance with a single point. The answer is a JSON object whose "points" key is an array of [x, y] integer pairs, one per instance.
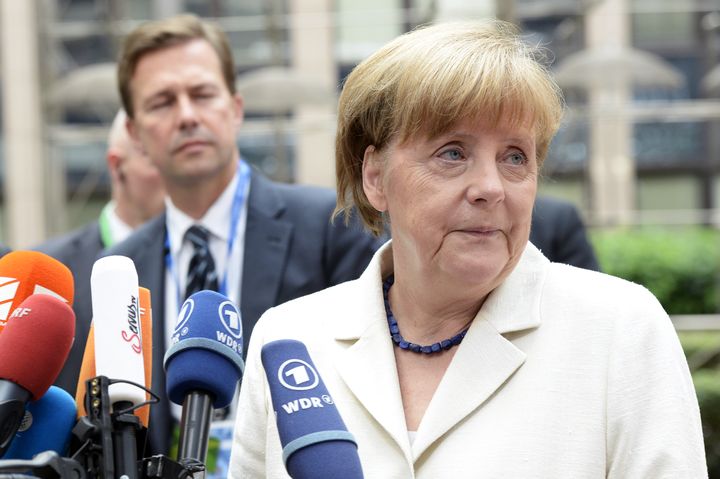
{"points": [[428, 80]]}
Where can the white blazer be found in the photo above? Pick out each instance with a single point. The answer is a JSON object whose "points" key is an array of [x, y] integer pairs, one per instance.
{"points": [[564, 373]]}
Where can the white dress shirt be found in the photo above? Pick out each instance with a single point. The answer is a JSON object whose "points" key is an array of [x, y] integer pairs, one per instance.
{"points": [[217, 221]]}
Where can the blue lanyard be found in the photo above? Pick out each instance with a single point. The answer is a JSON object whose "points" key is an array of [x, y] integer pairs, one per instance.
{"points": [[243, 174]]}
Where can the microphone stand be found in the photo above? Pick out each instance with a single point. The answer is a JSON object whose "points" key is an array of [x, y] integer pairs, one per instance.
{"points": [[195, 421], [109, 440], [125, 451], [43, 465], [106, 442]]}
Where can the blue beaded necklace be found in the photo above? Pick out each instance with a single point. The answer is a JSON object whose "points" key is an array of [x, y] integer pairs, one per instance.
{"points": [[407, 345]]}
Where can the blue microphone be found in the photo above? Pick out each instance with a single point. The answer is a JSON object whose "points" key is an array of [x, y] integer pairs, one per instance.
{"points": [[316, 443], [203, 366], [47, 426]]}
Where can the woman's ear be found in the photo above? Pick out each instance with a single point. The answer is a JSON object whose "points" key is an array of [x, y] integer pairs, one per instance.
{"points": [[372, 172]]}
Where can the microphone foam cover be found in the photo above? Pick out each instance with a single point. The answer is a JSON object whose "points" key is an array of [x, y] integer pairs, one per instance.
{"points": [[315, 441], [23, 273], [47, 426], [146, 327], [206, 353], [87, 371], [118, 335], [36, 342]]}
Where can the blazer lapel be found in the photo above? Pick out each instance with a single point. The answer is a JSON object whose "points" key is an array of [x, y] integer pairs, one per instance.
{"points": [[364, 368], [482, 364], [266, 247], [486, 359], [368, 366]]}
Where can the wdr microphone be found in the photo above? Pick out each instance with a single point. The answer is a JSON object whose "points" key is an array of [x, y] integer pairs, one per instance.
{"points": [[46, 426], [203, 366], [316, 443], [33, 348], [23, 273]]}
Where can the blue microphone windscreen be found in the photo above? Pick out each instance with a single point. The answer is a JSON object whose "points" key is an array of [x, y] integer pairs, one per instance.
{"points": [[314, 438], [47, 426], [206, 351]]}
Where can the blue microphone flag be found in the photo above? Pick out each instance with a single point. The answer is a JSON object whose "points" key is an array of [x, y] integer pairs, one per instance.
{"points": [[206, 351], [315, 440]]}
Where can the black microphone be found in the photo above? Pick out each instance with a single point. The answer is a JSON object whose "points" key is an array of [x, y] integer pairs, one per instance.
{"points": [[203, 366], [316, 444]]}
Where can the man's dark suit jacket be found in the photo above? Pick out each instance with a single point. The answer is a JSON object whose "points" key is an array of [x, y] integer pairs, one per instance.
{"points": [[291, 249], [77, 250], [559, 233]]}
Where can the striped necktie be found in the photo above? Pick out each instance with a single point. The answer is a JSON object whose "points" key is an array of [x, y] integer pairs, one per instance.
{"points": [[201, 271]]}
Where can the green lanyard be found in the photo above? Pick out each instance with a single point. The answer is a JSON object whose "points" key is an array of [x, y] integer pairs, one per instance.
{"points": [[106, 237]]}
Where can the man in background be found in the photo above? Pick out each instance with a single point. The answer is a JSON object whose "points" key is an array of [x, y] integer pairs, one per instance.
{"points": [[558, 231], [136, 196], [226, 226]]}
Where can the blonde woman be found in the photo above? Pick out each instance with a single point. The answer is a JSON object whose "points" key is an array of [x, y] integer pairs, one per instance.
{"points": [[461, 351]]}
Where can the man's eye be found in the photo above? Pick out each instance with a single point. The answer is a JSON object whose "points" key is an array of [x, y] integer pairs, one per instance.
{"points": [[159, 104]]}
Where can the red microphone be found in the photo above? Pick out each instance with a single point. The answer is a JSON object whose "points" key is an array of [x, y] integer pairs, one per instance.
{"points": [[34, 345]]}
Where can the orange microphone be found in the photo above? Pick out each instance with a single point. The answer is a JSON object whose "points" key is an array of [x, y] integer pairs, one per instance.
{"points": [[23, 273], [87, 370], [146, 327]]}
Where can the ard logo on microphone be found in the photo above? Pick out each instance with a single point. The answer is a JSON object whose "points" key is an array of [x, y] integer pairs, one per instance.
{"points": [[230, 319], [185, 312], [298, 375]]}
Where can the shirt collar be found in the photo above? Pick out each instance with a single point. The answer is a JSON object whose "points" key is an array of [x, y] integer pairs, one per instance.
{"points": [[215, 220]]}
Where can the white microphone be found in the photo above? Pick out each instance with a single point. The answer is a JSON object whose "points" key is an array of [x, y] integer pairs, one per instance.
{"points": [[118, 352], [116, 319]]}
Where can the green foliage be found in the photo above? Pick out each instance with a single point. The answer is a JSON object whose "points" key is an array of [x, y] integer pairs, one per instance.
{"points": [[707, 386], [702, 348], [681, 266]]}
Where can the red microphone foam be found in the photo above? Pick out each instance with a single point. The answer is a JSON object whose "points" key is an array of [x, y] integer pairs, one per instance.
{"points": [[23, 273], [36, 342]]}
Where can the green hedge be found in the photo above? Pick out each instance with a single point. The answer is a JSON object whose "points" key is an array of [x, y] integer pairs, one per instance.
{"points": [[681, 266], [707, 386]]}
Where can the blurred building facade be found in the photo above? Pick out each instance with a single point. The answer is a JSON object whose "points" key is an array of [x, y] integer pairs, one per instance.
{"points": [[640, 143]]}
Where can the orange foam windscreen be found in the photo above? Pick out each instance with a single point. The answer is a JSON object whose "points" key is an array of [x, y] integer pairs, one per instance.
{"points": [[23, 273]]}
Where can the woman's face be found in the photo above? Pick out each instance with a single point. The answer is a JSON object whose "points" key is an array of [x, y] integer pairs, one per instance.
{"points": [[459, 204]]}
